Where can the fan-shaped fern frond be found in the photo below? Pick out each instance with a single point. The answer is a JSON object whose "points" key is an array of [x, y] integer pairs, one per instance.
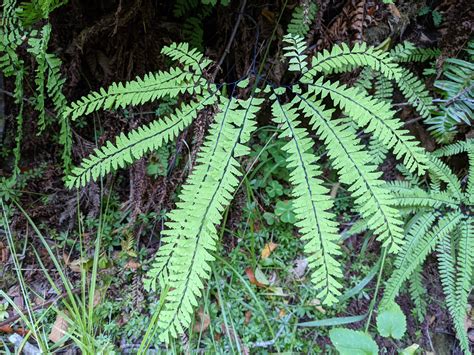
{"points": [[416, 197], [134, 145], [454, 148], [342, 58], [374, 117], [407, 52], [183, 261], [457, 107], [418, 247], [415, 92], [442, 172], [355, 170], [295, 51], [33, 11], [311, 205], [418, 294], [137, 92], [461, 284]]}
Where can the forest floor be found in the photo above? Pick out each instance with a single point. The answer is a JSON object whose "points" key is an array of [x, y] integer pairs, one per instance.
{"points": [[259, 298]]}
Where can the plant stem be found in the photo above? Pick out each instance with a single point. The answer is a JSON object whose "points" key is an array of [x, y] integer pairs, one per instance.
{"points": [[377, 286]]}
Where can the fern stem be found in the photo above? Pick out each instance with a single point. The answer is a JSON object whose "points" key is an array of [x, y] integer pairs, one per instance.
{"points": [[377, 286]]}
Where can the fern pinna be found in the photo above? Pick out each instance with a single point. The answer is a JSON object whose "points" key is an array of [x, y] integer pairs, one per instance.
{"points": [[189, 240], [441, 221]]}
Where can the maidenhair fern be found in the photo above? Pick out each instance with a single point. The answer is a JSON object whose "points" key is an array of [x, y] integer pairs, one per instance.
{"points": [[302, 17], [182, 264], [48, 78], [442, 223], [457, 100]]}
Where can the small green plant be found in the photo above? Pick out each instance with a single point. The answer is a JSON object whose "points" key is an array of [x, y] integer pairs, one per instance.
{"points": [[189, 241], [456, 105], [15, 29], [440, 220], [436, 16]]}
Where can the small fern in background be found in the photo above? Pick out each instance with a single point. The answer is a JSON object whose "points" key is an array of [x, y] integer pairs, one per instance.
{"points": [[48, 78], [190, 237], [302, 17], [441, 221], [457, 91]]}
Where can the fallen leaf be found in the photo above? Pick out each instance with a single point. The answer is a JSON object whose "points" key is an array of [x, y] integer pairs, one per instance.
{"points": [[253, 280], [78, 264], [132, 265], [7, 329], [268, 249], [248, 315], [59, 329], [281, 314], [394, 10], [202, 323], [299, 270], [317, 304], [261, 278]]}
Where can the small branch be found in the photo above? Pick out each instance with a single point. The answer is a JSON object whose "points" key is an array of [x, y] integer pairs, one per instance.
{"points": [[231, 39]]}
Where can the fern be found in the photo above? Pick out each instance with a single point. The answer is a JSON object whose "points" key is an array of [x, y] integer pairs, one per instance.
{"points": [[457, 103], [190, 236], [33, 11], [443, 222], [48, 79], [316, 222], [302, 17]]}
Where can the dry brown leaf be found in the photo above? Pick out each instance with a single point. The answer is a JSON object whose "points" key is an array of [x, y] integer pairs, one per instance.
{"points": [[248, 316], [252, 278], [132, 265], [59, 329], [268, 249], [394, 10], [202, 322]]}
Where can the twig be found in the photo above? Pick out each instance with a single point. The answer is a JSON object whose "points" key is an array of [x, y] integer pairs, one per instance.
{"points": [[231, 39]]}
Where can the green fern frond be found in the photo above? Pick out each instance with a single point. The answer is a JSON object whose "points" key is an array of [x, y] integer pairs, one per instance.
{"points": [[416, 197], [137, 92], [136, 144], [374, 117], [416, 249], [457, 106], [342, 58], [33, 11], [407, 52], [463, 280], [442, 172], [470, 176], [418, 294], [377, 150], [454, 148], [383, 89], [302, 17], [191, 57], [355, 169], [311, 205], [415, 92], [295, 52], [183, 261], [181, 7]]}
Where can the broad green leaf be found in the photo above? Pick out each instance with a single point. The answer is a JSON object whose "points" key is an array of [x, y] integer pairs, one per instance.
{"points": [[353, 342], [391, 322]]}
